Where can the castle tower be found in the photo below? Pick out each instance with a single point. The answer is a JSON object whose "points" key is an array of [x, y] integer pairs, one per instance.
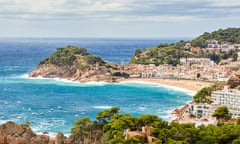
{"points": [[122, 66], [122, 63], [97, 66]]}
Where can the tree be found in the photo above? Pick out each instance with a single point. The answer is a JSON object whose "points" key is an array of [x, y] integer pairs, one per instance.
{"points": [[198, 75], [201, 96], [81, 125], [235, 57], [238, 121], [86, 131], [222, 113], [208, 134], [233, 81], [216, 58], [119, 122], [236, 141], [106, 115]]}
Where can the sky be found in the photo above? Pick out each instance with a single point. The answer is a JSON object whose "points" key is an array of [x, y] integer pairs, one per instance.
{"points": [[116, 18]]}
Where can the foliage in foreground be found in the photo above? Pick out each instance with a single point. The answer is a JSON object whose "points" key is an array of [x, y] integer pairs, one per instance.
{"points": [[109, 126]]}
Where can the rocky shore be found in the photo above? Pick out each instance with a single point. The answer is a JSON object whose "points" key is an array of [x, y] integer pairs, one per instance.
{"points": [[75, 64], [53, 71], [12, 133]]}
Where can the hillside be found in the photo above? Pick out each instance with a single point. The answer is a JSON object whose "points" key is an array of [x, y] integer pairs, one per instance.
{"points": [[223, 42], [162, 54], [229, 35], [77, 64]]}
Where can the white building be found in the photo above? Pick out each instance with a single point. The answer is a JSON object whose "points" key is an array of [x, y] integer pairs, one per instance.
{"points": [[202, 61], [200, 110], [229, 98]]}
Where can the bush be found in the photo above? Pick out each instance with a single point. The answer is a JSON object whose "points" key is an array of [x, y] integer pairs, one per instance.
{"points": [[65, 56], [201, 96], [119, 74], [222, 113]]}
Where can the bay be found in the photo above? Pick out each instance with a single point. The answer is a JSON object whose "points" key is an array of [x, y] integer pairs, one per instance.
{"points": [[52, 104]]}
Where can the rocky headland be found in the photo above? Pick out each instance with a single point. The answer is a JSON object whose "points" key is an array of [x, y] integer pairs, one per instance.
{"points": [[12, 133], [76, 64]]}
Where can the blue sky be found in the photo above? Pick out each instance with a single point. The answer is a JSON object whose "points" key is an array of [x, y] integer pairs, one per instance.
{"points": [[116, 18]]}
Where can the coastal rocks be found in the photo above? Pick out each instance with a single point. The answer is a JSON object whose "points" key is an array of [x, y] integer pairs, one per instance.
{"points": [[16, 139], [3, 139], [40, 139], [12, 133], [10, 128], [52, 71], [60, 139], [73, 74]]}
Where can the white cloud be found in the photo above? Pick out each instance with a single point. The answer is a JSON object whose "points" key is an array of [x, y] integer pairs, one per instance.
{"points": [[160, 18], [225, 3], [127, 10]]}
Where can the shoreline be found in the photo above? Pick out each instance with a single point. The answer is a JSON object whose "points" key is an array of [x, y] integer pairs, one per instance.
{"points": [[192, 86]]}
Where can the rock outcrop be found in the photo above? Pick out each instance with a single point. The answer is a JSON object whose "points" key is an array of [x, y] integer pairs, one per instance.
{"points": [[12, 133], [73, 63]]}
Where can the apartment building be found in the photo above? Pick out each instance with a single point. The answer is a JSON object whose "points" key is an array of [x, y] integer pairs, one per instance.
{"points": [[229, 98]]}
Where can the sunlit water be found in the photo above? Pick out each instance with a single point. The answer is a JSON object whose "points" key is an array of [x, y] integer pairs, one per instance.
{"points": [[53, 104]]}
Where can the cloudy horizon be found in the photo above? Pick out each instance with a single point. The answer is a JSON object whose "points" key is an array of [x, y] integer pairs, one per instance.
{"points": [[116, 18]]}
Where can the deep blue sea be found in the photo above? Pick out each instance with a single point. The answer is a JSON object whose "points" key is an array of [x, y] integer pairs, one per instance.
{"points": [[52, 105]]}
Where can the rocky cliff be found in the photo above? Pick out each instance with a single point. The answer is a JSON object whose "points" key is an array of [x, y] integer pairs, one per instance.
{"points": [[12, 133], [74, 63]]}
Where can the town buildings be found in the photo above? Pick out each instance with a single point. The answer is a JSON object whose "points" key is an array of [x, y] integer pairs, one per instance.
{"points": [[229, 98], [200, 69], [192, 69]]}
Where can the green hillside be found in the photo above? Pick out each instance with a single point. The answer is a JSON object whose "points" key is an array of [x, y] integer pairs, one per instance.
{"points": [[170, 53], [229, 35], [72, 55], [162, 54]]}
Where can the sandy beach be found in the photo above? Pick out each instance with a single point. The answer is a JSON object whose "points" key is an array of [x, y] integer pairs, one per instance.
{"points": [[191, 85]]}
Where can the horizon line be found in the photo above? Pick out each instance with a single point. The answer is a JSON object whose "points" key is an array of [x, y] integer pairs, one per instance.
{"points": [[65, 37]]}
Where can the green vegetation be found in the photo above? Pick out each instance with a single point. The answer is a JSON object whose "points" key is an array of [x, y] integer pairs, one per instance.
{"points": [[109, 126], [198, 75], [238, 121], [27, 123], [222, 113], [119, 74], [65, 56], [163, 54], [92, 59], [234, 81], [203, 95], [72, 55], [170, 53], [229, 35]]}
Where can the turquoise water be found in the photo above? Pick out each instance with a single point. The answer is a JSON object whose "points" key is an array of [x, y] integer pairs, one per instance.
{"points": [[52, 104]]}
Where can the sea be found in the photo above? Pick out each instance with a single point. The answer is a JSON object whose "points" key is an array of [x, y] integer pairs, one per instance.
{"points": [[52, 105]]}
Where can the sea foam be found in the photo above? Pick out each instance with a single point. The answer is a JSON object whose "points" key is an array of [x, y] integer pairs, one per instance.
{"points": [[62, 81], [102, 107]]}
